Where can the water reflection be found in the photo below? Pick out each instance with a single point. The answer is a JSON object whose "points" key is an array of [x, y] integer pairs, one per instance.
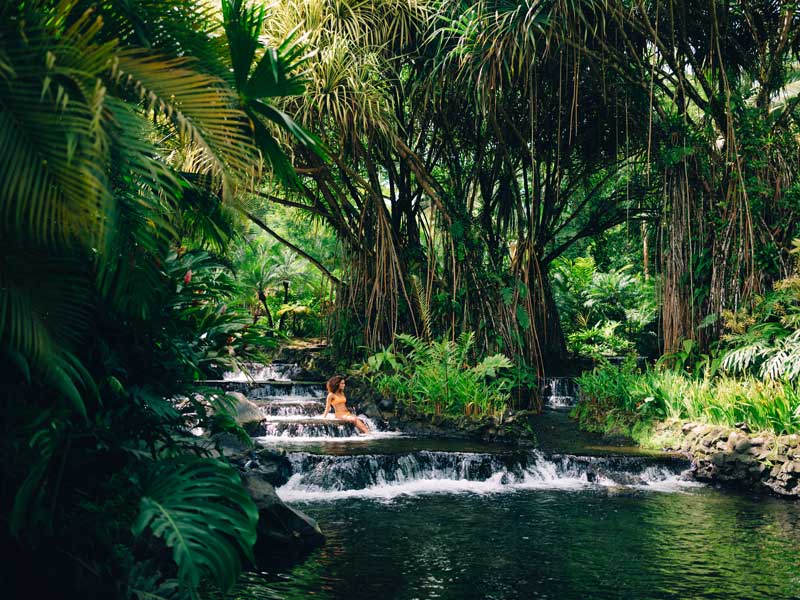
{"points": [[595, 543]]}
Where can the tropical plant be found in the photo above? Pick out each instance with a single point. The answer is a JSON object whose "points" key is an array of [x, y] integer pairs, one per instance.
{"points": [[434, 377], [614, 395], [767, 340], [604, 313], [198, 507], [120, 154]]}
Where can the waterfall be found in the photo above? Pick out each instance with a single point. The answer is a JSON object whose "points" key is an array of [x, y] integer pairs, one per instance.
{"points": [[271, 372], [559, 393], [293, 410], [355, 465], [324, 477]]}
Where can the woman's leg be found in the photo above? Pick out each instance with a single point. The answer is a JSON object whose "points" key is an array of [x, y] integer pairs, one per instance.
{"points": [[360, 425]]}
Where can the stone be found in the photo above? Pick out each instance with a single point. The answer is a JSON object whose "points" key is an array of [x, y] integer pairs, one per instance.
{"points": [[743, 445], [248, 414], [386, 404], [718, 459], [272, 466], [792, 467], [282, 530], [689, 427], [745, 459], [229, 444]]}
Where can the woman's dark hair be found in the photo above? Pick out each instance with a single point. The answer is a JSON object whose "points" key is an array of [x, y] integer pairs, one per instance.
{"points": [[333, 383]]}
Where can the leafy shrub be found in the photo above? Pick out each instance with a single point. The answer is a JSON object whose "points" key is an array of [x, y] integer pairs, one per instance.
{"points": [[766, 340], [435, 377], [660, 394], [603, 313]]}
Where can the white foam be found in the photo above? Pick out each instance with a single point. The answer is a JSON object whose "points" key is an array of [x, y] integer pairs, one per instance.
{"points": [[494, 485], [292, 399], [272, 372], [543, 475], [283, 439]]}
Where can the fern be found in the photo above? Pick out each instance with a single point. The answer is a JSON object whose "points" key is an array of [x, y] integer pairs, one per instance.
{"points": [[490, 365], [424, 307], [200, 509]]}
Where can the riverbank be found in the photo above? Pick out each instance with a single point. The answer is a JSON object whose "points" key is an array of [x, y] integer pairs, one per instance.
{"points": [[758, 461]]}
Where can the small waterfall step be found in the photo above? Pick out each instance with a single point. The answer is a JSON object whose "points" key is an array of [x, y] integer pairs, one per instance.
{"points": [[559, 393], [275, 390], [274, 371], [318, 477], [292, 408], [308, 428]]}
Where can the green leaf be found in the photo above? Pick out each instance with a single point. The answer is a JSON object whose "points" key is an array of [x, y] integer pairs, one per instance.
{"points": [[201, 510]]}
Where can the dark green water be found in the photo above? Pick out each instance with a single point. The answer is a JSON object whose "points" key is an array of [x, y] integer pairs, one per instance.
{"points": [[594, 543]]}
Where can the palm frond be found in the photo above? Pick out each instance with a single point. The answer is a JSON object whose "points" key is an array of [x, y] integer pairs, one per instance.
{"points": [[52, 145], [199, 107]]}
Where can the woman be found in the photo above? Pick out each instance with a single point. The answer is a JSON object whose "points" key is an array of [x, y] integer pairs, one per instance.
{"points": [[337, 399]]}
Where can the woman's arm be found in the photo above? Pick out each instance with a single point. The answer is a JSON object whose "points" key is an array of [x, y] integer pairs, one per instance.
{"points": [[327, 406]]}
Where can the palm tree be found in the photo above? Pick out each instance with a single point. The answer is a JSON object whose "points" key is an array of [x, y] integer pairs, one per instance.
{"points": [[84, 181], [113, 143]]}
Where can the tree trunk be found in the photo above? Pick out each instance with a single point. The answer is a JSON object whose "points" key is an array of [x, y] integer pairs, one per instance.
{"points": [[263, 298], [552, 343], [285, 301]]}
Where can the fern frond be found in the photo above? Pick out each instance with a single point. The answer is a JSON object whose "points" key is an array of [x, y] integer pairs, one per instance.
{"points": [[424, 307]]}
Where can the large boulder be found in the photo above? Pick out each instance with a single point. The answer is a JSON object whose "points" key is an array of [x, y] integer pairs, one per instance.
{"points": [[283, 532], [272, 466], [248, 414]]}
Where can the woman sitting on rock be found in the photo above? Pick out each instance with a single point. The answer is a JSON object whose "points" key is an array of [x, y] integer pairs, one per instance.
{"points": [[337, 399]]}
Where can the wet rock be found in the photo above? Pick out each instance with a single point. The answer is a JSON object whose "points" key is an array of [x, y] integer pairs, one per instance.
{"points": [[272, 466], [386, 404], [718, 459], [228, 444], [283, 531], [248, 414]]}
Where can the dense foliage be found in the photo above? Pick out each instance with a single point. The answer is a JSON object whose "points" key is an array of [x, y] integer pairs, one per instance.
{"points": [[604, 313], [434, 377], [122, 161], [750, 376], [183, 184], [623, 399]]}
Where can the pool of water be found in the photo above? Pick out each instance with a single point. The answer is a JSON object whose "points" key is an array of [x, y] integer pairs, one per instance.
{"points": [[593, 542], [416, 518]]}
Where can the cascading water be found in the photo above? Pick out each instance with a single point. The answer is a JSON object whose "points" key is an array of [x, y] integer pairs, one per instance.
{"points": [[271, 372], [406, 518], [293, 419], [292, 410], [559, 393], [321, 477], [276, 390]]}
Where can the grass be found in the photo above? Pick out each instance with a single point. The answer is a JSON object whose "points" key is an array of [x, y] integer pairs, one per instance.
{"points": [[622, 397]]}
